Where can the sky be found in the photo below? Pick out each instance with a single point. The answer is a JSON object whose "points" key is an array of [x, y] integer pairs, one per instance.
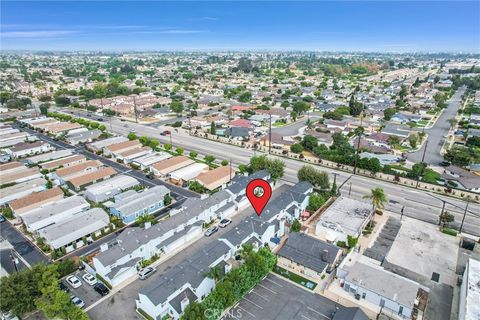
{"points": [[381, 26]]}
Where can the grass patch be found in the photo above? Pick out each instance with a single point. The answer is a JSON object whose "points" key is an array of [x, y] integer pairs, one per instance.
{"points": [[144, 314], [449, 231], [295, 278]]}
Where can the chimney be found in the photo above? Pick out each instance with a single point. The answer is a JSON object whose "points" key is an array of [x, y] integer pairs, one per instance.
{"points": [[148, 225], [184, 303], [325, 255], [103, 247]]}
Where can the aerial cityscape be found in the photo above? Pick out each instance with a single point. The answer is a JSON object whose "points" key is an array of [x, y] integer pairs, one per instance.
{"points": [[240, 160]]}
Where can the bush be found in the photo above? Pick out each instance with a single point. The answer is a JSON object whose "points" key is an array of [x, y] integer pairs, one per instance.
{"points": [[449, 231], [105, 282], [7, 212]]}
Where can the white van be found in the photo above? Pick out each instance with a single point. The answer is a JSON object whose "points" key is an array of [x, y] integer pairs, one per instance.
{"points": [[145, 273]]}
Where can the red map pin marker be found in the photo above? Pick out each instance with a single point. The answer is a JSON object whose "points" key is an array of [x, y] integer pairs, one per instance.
{"points": [[258, 193]]}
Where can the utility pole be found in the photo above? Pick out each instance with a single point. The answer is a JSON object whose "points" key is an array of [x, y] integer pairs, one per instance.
{"points": [[270, 135], [464, 215], [401, 213], [421, 164], [441, 213], [230, 168], [350, 189], [14, 260], [135, 109], [171, 143]]}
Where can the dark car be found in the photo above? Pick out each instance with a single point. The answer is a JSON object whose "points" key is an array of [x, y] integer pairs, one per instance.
{"points": [[2, 218], [150, 176], [101, 288], [444, 163], [99, 119], [63, 287], [165, 133]]}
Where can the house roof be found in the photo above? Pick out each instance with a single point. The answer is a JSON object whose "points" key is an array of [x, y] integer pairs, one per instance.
{"points": [[172, 163], [217, 174], [136, 201], [64, 172], [241, 123], [63, 161], [26, 146], [308, 251], [372, 277], [92, 176], [35, 197], [123, 145]]}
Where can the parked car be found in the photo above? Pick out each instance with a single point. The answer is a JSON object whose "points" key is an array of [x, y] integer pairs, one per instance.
{"points": [[211, 231], [150, 176], [147, 272], [101, 288], [73, 281], [9, 316], [133, 130], [99, 119], [63, 286], [224, 223], [77, 301], [2, 218], [88, 278]]}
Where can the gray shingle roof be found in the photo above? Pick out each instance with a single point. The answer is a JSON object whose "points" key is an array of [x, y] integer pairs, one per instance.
{"points": [[307, 251]]}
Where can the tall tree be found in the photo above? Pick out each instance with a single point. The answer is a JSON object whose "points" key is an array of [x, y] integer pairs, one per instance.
{"points": [[377, 197]]}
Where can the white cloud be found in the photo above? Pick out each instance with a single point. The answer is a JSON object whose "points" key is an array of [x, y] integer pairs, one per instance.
{"points": [[36, 34]]}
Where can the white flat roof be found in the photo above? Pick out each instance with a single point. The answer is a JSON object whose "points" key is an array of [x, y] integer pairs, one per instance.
{"points": [[472, 305], [188, 172], [346, 214]]}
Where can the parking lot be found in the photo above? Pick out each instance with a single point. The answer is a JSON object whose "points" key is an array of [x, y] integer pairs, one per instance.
{"points": [[85, 291], [275, 298]]}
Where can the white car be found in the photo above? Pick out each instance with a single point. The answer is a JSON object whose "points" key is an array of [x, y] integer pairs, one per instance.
{"points": [[77, 301], [73, 281], [224, 223], [88, 278]]}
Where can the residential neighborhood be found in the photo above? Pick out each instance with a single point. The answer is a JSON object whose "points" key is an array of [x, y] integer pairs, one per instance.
{"points": [[240, 160]]}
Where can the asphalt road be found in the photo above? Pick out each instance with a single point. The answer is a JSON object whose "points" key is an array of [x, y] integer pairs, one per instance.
{"points": [[293, 128], [437, 132], [420, 204], [22, 245]]}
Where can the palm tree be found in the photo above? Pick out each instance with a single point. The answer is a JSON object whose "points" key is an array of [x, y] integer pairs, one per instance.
{"points": [[378, 198], [215, 273]]}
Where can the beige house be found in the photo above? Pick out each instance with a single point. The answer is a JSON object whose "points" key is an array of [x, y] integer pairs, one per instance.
{"points": [[35, 200], [215, 178], [117, 148], [64, 162], [163, 168], [84, 180]]}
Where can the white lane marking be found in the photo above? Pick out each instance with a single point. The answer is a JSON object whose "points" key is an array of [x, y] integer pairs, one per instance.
{"points": [[247, 311], [278, 284], [309, 308], [256, 305], [267, 288], [258, 294]]}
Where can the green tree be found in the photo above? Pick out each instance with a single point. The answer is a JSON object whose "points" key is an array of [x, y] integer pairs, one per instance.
{"points": [[213, 128], [132, 136], [412, 140], [44, 108], [377, 197], [215, 273], [315, 202], [180, 151], [141, 220], [176, 107], [296, 226], [296, 148], [388, 113], [167, 146], [294, 115], [317, 178], [276, 168], [309, 142], [224, 163], [209, 159], [193, 154], [167, 199], [446, 218]]}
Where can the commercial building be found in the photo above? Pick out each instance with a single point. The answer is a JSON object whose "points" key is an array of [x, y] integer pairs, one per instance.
{"points": [[345, 217], [107, 189], [384, 289]]}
